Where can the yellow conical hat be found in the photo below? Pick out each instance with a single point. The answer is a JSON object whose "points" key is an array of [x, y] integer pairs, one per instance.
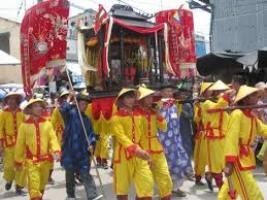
{"points": [[244, 91], [144, 92], [64, 92], [124, 91], [32, 101], [218, 85], [10, 94], [204, 86]]}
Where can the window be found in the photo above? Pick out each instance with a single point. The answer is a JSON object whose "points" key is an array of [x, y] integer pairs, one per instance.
{"points": [[4, 42]]}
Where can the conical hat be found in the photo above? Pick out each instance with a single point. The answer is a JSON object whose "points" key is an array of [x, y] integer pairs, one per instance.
{"points": [[244, 91], [204, 87], [261, 86], [124, 91], [83, 96], [12, 94], [64, 92], [144, 92], [218, 86], [32, 101]]}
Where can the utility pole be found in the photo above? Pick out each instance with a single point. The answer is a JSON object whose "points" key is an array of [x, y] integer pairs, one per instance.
{"points": [[39, 1], [25, 7]]}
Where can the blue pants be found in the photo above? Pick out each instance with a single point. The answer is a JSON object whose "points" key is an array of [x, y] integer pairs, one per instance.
{"points": [[87, 180]]}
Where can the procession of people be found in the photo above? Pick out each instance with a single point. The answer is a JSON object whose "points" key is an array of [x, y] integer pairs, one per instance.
{"points": [[159, 137]]}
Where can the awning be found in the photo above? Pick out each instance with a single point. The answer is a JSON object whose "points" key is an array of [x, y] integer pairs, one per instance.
{"points": [[6, 59], [15, 86], [6, 88], [213, 62], [256, 59]]}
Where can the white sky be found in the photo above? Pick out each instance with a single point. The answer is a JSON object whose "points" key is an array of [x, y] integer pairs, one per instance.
{"points": [[14, 9]]}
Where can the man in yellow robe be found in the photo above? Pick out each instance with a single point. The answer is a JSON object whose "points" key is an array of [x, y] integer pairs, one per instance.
{"points": [[130, 162], [239, 155], [150, 123], [215, 125], [10, 120], [200, 149]]}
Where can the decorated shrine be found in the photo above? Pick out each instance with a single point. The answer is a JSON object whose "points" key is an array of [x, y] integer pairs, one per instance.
{"points": [[125, 48]]}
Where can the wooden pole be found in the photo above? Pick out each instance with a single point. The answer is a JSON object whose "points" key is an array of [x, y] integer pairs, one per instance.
{"points": [[122, 55], [156, 56], [231, 108], [87, 140]]}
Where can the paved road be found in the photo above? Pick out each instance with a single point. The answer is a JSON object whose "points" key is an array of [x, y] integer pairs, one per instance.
{"points": [[57, 191]]}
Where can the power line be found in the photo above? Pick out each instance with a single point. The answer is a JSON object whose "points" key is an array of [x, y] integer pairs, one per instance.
{"points": [[93, 1], [20, 7], [147, 3], [77, 6]]}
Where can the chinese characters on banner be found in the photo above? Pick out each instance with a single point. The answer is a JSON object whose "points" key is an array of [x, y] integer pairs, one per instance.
{"points": [[43, 42]]}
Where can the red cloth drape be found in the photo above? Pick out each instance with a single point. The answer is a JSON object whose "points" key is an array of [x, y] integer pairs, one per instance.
{"points": [[104, 106], [142, 30], [181, 38], [43, 39]]}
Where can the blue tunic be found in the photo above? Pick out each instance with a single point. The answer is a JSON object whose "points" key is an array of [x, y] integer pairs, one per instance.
{"points": [[172, 142], [186, 130], [75, 154]]}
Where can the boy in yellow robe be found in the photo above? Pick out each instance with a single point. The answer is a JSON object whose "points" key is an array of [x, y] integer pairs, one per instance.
{"points": [[151, 122], [215, 125], [10, 120], [37, 146], [130, 162], [239, 155]]}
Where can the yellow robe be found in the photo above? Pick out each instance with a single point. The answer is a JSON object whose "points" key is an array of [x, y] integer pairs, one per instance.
{"points": [[36, 143], [200, 149], [102, 128], [9, 124], [150, 123], [128, 168], [242, 129], [215, 125], [101, 150], [58, 124]]}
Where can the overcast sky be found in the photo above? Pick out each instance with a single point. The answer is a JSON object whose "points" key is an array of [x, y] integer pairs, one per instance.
{"points": [[14, 9]]}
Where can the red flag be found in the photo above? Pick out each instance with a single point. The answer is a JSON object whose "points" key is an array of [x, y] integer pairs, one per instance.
{"points": [[43, 40], [100, 18], [181, 40]]}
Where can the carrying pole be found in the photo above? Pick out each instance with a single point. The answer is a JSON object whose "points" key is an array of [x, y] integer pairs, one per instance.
{"points": [[231, 192], [231, 108], [87, 140]]}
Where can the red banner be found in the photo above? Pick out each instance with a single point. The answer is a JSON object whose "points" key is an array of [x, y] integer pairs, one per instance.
{"points": [[181, 40], [43, 40]]}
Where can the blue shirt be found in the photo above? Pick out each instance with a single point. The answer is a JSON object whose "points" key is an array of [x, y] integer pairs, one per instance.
{"points": [[75, 154]]}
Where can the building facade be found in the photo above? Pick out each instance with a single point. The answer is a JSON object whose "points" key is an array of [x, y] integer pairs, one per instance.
{"points": [[10, 43], [83, 19], [238, 25]]}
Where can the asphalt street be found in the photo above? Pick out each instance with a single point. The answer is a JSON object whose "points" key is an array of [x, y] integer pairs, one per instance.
{"points": [[57, 191]]}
